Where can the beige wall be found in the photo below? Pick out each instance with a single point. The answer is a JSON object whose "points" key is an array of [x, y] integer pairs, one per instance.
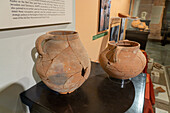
{"points": [[87, 13]]}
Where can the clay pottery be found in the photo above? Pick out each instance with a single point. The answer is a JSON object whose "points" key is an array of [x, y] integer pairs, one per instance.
{"points": [[63, 63], [122, 60], [140, 25], [121, 15], [135, 23], [144, 24]]}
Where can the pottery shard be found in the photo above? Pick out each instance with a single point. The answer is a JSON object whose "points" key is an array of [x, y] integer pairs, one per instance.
{"points": [[53, 48], [86, 72], [129, 64], [40, 68], [73, 82], [58, 79], [111, 69], [58, 88], [77, 47], [160, 89], [46, 65], [65, 62], [64, 72]]}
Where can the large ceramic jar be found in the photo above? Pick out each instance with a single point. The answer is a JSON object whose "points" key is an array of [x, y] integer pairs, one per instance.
{"points": [[63, 63], [122, 60]]}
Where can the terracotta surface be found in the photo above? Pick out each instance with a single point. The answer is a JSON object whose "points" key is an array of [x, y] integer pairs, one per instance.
{"points": [[140, 25], [63, 63], [121, 15], [135, 23], [123, 60]]}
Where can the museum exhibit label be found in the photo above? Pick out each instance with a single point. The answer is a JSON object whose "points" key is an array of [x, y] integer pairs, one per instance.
{"points": [[24, 13]]}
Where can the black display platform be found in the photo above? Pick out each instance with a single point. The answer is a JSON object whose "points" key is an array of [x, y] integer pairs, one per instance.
{"points": [[99, 94]]}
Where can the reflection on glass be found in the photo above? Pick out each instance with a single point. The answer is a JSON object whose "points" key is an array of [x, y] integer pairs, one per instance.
{"points": [[114, 33]]}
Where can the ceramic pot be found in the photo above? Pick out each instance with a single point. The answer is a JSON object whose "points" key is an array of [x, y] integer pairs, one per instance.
{"points": [[140, 25], [135, 23], [123, 60], [63, 63]]}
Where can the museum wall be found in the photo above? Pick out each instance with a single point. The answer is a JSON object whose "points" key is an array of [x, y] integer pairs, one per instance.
{"points": [[17, 71], [87, 23]]}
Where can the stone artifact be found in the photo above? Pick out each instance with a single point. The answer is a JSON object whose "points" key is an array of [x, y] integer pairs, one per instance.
{"points": [[63, 63], [122, 60]]}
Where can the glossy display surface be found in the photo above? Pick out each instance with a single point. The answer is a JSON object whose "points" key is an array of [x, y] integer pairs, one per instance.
{"points": [[99, 94]]}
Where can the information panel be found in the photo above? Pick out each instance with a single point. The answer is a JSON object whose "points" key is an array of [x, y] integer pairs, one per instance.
{"points": [[23, 13]]}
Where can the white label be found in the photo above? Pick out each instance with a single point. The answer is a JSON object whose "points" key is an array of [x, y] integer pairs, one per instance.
{"points": [[21, 13]]}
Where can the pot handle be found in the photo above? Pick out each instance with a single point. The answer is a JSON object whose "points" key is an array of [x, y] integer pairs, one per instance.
{"points": [[117, 52], [39, 42]]}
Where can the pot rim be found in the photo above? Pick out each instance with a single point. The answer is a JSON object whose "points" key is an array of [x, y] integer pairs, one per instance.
{"points": [[68, 32], [63, 35], [132, 44]]}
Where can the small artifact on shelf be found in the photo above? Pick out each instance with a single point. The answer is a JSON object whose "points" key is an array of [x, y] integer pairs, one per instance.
{"points": [[150, 63], [122, 60], [155, 76], [158, 67], [159, 89], [136, 23], [161, 94], [121, 15], [63, 63]]}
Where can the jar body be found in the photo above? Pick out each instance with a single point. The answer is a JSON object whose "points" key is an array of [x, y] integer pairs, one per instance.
{"points": [[63, 63], [123, 60]]}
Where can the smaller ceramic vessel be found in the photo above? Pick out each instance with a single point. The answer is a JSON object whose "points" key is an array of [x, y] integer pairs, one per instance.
{"points": [[122, 60]]}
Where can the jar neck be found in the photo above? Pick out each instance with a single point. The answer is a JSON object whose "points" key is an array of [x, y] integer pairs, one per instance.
{"points": [[125, 44], [63, 35]]}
